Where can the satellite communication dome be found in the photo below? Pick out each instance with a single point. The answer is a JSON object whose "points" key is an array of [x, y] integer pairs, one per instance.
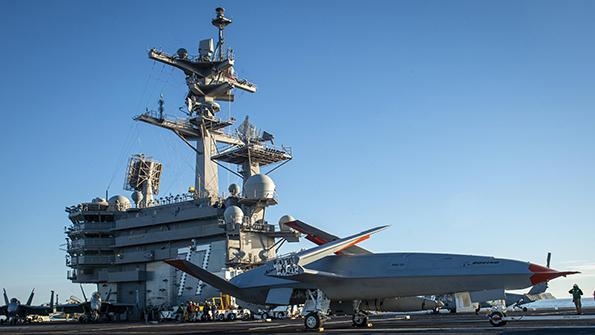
{"points": [[137, 197], [233, 214], [100, 201], [283, 220], [234, 189], [119, 203], [182, 53], [259, 187]]}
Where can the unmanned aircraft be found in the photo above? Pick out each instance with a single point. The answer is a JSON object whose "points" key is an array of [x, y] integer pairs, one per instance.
{"points": [[327, 281]]}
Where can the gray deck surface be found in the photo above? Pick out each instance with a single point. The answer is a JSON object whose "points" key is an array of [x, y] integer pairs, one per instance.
{"points": [[417, 324]]}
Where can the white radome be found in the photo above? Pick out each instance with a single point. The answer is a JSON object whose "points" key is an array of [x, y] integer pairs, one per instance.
{"points": [[234, 189], [137, 197], [283, 220], [99, 200], [119, 203], [259, 187], [233, 214]]}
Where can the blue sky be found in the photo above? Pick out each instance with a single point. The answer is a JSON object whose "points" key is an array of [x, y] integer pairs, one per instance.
{"points": [[469, 126]]}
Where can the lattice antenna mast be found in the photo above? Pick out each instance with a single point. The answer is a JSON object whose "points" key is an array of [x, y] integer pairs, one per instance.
{"points": [[143, 176], [220, 22]]}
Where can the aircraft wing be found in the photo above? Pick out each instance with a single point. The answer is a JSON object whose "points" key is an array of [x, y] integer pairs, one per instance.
{"points": [[294, 265], [72, 308], [37, 310], [321, 237], [204, 275]]}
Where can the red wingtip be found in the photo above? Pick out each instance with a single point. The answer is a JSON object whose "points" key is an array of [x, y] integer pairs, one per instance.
{"points": [[543, 274]]}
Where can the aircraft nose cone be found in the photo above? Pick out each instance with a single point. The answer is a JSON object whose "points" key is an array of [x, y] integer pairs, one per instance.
{"points": [[11, 308], [542, 274]]}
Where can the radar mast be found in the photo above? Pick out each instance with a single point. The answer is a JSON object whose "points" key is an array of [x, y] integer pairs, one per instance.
{"points": [[210, 78], [220, 22]]}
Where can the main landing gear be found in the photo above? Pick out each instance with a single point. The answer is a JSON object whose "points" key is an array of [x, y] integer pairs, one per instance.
{"points": [[360, 318], [316, 309], [497, 318], [313, 321]]}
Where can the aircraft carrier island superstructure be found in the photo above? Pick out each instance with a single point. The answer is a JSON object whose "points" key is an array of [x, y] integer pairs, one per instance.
{"points": [[120, 245]]}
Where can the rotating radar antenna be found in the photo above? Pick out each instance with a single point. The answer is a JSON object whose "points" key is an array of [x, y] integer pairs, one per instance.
{"points": [[143, 175]]}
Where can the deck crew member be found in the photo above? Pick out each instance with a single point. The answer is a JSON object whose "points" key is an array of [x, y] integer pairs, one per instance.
{"points": [[576, 298]]}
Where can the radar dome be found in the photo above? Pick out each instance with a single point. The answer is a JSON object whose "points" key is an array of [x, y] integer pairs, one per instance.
{"points": [[99, 200], [119, 203], [233, 214], [182, 53], [283, 220], [234, 189], [137, 197], [259, 187]]}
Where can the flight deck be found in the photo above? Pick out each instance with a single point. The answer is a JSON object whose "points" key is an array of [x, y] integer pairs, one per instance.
{"points": [[401, 324]]}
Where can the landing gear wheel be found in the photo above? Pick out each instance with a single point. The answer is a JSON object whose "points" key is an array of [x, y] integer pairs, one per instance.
{"points": [[312, 321], [360, 320], [265, 316], [497, 319], [94, 317], [524, 309]]}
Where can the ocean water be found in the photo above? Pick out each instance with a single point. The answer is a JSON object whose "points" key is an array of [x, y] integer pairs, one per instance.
{"points": [[587, 302]]}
